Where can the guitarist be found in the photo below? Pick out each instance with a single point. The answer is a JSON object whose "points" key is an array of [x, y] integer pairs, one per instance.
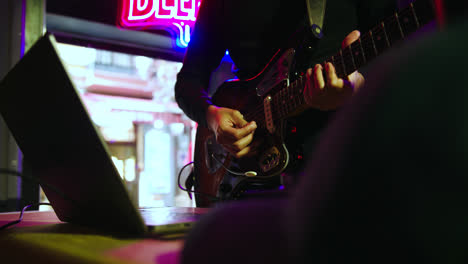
{"points": [[252, 31]]}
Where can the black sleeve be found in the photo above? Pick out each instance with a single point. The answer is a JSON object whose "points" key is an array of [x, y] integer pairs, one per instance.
{"points": [[203, 55]]}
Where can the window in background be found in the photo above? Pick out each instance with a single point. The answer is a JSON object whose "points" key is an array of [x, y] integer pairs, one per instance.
{"points": [[131, 100]]}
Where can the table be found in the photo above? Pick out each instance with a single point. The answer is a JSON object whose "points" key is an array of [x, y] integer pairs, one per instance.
{"points": [[42, 238]]}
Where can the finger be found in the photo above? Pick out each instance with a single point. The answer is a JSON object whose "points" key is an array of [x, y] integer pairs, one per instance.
{"points": [[238, 119], [230, 149], [332, 79], [350, 38], [239, 133], [243, 152], [243, 142], [231, 134], [236, 129], [247, 151], [319, 81]]}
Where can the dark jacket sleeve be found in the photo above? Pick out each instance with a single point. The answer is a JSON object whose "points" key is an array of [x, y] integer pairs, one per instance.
{"points": [[203, 55]]}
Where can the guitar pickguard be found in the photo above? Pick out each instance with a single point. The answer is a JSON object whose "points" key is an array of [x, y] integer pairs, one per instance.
{"points": [[277, 73], [215, 155]]}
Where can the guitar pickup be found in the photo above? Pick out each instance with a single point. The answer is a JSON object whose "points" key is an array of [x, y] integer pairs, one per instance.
{"points": [[270, 125]]}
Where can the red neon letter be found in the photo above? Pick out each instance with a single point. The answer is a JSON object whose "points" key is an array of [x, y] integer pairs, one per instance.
{"points": [[174, 15]]}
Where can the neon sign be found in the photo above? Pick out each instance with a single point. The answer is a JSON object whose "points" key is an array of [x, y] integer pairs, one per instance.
{"points": [[176, 16]]}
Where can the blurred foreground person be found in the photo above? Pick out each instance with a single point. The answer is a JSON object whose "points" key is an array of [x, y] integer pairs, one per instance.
{"points": [[388, 182]]}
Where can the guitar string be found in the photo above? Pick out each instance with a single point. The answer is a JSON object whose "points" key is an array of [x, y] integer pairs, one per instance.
{"points": [[282, 106], [258, 112], [377, 30]]}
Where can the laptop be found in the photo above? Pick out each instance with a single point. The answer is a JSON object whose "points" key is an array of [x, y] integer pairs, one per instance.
{"points": [[46, 116]]}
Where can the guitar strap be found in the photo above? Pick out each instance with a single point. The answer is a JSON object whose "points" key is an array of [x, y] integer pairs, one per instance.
{"points": [[316, 14]]}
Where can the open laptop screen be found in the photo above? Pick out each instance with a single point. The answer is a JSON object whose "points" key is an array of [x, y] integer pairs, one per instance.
{"points": [[50, 124]]}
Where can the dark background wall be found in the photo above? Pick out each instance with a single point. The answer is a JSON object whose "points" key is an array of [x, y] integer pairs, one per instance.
{"points": [[103, 11]]}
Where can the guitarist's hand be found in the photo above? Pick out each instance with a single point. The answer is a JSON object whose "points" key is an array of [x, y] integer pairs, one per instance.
{"points": [[232, 131], [331, 93]]}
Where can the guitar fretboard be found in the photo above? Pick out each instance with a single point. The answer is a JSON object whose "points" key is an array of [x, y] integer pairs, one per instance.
{"points": [[387, 33]]}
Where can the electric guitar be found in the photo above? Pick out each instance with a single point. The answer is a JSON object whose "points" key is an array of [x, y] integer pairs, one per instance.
{"points": [[276, 94]]}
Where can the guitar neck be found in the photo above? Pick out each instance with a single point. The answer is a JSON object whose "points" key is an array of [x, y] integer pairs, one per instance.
{"points": [[387, 33]]}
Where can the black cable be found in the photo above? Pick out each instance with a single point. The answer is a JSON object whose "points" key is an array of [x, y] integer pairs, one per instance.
{"points": [[214, 198], [20, 218], [38, 181], [43, 184], [11, 172]]}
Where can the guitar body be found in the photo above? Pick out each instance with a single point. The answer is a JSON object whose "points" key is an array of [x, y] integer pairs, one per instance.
{"points": [[214, 165]]}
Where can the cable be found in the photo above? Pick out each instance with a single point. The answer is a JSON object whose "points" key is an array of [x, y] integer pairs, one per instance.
{"points": [[42, 183], [11, 172], [247, 173], [214, 198], [21, 215]]}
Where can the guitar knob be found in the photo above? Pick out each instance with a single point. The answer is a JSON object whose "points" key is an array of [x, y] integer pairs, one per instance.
{"points": [[225, 187]]}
